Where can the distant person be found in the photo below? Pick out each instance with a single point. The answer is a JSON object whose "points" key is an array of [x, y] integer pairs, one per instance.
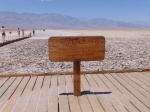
{"points": [[18, 31], [22, 33], [33, 32], [3, 33], [10, 35]]}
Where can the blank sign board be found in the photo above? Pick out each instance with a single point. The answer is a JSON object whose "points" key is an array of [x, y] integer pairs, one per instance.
{"points": [[73, 48]]}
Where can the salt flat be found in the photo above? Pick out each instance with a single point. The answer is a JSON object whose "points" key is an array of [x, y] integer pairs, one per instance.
{"points": [[124, 45], [40, 34]]}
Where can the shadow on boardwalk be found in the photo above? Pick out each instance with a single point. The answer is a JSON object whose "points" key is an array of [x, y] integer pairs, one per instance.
{"points": [[86, 93]]}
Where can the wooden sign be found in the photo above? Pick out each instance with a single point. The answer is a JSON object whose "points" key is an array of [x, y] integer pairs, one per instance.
{"points": [[82, 48], [76, 49]]}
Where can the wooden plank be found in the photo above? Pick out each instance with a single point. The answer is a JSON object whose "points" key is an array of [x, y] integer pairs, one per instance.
{"points": [[111, 96], [11, 41], [92, 98], [140, 106], [71, 48], [76, 69], [43, 99], [103, 82], [24, 98], [9, 92], [73, 100], [53, 96], [102, 98], [84, 102], [103, 90], [16, 96], [63, 99], [139, 77], [135, 86], [32, 104], [136, 93], [7, 84], [147, 74], [3, 80], [144, 76], [147, 88], [133, 96]]}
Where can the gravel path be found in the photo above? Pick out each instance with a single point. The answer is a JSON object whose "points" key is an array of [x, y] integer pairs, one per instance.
{"points": [[123, 44]]}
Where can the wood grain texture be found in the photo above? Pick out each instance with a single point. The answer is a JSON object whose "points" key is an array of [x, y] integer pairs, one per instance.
{"points": [[71, 48], [77, 90], [111, 92]]}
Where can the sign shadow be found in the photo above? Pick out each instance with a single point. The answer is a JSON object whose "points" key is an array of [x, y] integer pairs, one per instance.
{"points": [[87, 93]]}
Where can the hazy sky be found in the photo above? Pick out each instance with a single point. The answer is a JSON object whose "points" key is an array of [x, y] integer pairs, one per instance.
{"points": [[128, 10]]}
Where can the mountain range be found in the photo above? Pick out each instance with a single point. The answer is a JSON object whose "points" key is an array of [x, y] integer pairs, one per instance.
{"points": [[13, 20]]}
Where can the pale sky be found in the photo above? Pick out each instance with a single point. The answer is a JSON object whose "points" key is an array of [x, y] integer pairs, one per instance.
{"points": [[125, 10]]}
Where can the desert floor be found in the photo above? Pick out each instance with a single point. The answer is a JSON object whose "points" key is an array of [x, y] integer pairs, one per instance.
{"points": [[125, 49]]}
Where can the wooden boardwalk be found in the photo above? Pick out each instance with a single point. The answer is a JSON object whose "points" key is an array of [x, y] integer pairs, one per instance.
{"points": [[110, 92], [11, 41]]}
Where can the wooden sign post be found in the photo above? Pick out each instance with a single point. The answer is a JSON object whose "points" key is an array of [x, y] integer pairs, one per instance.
{"points": [[76, 70], [76, 49]]}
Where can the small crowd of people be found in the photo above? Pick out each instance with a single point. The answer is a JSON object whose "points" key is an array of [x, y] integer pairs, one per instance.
{"points": [[18, 32]]}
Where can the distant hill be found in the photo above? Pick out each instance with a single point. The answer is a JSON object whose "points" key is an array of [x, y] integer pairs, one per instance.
{"points": [[12, 20]]}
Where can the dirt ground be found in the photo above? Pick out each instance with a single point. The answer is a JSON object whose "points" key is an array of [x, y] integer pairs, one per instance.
{"points": [[123, 47]]}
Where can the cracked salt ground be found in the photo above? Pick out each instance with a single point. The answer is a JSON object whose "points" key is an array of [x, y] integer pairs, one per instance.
{"points": [[117, 46]]}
